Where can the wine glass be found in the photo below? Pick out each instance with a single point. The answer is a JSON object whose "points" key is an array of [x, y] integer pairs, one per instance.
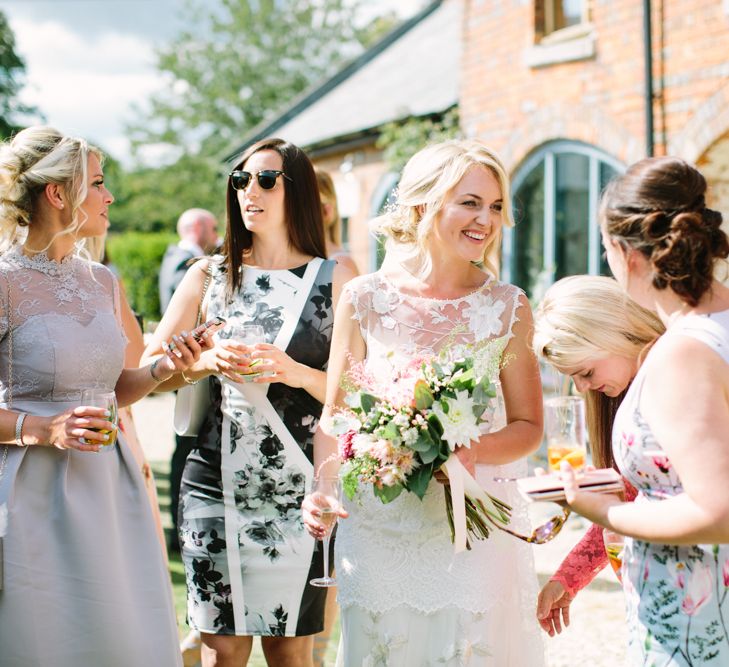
{"points": [[248, 334], [99, 398], [564, 422], [326, 495], [614, 543]]}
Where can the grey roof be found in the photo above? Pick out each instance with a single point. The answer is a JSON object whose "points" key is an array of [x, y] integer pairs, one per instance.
{"points": [[412, 72]]}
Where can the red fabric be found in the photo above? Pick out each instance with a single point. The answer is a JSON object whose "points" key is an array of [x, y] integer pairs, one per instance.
{"points": [[588, 556]]}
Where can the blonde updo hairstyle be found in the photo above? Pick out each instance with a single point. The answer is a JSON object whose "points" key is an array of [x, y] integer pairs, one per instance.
{"points": [[658, 207], [426, 180], [586, 318], [32, 159]]}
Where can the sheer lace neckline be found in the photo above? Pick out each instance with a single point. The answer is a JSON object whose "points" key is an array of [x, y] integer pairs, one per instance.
{"points": [[42, 262], [487, 284]]}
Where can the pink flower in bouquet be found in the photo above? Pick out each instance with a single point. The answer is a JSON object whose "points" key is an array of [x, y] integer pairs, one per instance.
{"points": [[698, 590], [346, 451], [391, 475], [383, 451], [725, 572]]}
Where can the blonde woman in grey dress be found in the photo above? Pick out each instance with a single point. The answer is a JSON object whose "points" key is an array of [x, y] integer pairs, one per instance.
{"points": [[85, 583]]}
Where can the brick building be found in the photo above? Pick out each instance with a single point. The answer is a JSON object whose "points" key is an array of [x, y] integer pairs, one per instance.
{"points": [[558, 87]]}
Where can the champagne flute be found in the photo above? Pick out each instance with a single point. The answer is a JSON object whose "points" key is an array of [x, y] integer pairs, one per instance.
{"points": [[564, 420], [99, 398], [326, 494], [614, 543]]}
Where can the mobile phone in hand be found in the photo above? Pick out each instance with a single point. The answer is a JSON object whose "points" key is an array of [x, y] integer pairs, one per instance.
{"points": [[209, 327]]}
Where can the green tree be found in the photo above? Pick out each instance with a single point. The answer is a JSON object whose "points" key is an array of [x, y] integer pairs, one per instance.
{"points": [[242, 61], [402, 139], [12, 69]]}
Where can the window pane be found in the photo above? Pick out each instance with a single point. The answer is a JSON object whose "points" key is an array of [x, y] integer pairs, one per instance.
{"points": [[528, 257], [571, 214], [567, 13], [607, 173]]}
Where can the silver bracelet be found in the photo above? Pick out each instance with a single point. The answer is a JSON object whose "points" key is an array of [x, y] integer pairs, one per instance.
{"points": [[151, 370], [19, 429]]}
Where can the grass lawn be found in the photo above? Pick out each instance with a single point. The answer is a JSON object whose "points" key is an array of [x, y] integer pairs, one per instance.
{"points": [[177, 574]]}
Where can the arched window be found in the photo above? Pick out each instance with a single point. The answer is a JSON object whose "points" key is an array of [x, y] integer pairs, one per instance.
{"points": [[555, 194]]}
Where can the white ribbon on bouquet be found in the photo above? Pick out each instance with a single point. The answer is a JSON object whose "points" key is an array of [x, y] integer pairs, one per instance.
{"points": [[463, 484]]}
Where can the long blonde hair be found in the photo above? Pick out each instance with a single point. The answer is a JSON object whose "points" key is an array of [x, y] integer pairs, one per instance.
{"points": [[32, 159], [426, 180], [328, 195], [582, 318]]}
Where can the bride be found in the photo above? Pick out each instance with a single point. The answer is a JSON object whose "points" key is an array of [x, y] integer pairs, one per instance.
{"points": [[406, 599]]}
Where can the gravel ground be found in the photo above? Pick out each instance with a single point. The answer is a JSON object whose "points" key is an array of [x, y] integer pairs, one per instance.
{"points": [[597, 636]]}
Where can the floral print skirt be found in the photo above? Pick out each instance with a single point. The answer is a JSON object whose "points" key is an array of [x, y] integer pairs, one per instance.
{"points": [[678, 604], [247, 556]]}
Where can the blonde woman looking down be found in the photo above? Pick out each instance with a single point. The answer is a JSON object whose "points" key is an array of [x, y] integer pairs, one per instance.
{"points": [[586, 328]]}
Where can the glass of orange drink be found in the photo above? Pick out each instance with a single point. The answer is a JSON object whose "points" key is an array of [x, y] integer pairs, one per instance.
{"points": [[564, 423]]}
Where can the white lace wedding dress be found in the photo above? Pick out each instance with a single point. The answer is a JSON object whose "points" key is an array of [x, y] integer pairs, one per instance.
{"points": [[406, 599]]}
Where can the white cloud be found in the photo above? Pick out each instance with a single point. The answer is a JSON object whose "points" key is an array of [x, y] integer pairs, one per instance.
{"points": [[85, 85]]}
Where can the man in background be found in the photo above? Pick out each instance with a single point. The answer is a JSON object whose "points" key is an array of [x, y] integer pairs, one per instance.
{"points": [[197, 229], [198, 232]]}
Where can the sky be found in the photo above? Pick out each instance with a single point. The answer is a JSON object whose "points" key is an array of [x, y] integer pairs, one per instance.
{"points": [[89, 61]]}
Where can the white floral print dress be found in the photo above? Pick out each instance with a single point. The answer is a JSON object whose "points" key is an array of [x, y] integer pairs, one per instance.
{"points": [[406, 600], [677, 597], [247, 556]]}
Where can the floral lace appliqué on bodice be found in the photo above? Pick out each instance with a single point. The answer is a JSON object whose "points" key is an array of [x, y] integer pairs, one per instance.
{"points": [[397, 327], [66, 333]]}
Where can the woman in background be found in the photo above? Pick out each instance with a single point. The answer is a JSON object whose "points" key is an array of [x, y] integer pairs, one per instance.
{"points": [[332, 221], [96, 247]]}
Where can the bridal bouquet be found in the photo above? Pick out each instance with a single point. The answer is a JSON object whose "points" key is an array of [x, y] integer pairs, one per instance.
{"points": [[397, 432]]}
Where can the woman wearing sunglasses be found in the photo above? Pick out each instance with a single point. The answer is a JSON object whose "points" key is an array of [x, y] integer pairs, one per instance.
{"points": [[247, 557], [587, 329], [671, 431]]}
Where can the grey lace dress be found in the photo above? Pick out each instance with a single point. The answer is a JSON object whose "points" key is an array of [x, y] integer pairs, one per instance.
{"points": [[85, 580]]}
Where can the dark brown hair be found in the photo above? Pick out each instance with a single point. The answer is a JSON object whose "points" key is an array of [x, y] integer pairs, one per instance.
{"points": [[302, 210], [658, 208]]}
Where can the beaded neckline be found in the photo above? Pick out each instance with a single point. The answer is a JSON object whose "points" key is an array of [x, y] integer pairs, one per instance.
{"points": [[42, 262]]}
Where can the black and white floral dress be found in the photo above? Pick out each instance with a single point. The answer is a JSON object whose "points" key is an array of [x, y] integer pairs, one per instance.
{"points": [[247, 556]]}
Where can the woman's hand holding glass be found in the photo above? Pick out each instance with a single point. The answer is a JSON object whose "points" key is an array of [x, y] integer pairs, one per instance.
{"points": [[326, 501], [317, 523], [82, 428]]}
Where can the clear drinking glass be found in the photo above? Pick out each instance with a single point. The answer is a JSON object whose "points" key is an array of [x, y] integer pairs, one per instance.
{"points": [[614, 543], [326, 494], [99, 398], [248, 334], [564, 425]]}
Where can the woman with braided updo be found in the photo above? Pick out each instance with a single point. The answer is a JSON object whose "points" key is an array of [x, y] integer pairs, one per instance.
{"points": [[84, 578], [670, 436]]}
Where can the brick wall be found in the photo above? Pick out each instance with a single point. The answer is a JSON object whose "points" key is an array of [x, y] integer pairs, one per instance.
{"points": [[598, 100]]}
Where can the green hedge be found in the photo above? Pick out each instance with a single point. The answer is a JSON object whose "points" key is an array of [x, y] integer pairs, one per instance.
{"points": [[137, 256]]}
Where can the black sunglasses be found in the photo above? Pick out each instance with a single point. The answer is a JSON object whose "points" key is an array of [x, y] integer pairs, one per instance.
{"points": [[266, 179]]}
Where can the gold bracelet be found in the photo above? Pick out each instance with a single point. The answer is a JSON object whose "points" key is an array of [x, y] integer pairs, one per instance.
{"points": [[187, 379]]}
